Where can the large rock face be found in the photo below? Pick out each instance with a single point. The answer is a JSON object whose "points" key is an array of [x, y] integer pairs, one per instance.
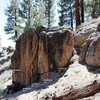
{"points": [[90, 50], [84, 31], [39, 52], [93, 52]]}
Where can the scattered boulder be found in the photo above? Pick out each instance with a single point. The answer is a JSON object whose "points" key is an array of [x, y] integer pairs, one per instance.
{"points": [[84, 31], [93, 53], [89, 53], [41, 51], [83, 51], [82, 36]]}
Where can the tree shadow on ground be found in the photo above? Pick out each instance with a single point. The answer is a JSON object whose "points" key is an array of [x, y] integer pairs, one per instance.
{"points": [[36, 86], [92, 69]]}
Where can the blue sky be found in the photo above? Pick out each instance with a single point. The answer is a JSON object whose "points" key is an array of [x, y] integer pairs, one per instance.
{"points": [[3, 5], [3, 18]]}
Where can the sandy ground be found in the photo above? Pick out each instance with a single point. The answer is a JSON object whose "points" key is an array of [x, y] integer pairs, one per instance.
{"points": [[76, 76]]}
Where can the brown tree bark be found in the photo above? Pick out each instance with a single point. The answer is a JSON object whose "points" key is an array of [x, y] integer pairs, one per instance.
{"points": [[82, 11], [81, 93], [78, 22], [16, 33]]}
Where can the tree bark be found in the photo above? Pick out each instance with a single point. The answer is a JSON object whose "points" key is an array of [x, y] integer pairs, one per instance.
{"points": [[71, 13], [82, 11], [16, 33], [81, 93], [49, 13], [78, 22]]}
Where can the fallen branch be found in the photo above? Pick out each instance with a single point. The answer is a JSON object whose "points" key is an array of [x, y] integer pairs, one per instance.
{"points": [[82, 92]]}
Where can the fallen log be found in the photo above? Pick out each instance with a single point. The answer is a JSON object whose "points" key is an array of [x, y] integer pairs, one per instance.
{"points": [[81, 93]]}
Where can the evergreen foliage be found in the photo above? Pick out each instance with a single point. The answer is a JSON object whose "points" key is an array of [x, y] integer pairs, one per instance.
{"points": [[13, 13], [67, 8], [32, 13], [49, 13], [93, 8]]}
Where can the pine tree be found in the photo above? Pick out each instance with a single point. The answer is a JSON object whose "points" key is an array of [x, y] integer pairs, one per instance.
{"points": [[33, 13], [49, 12], [82, 11], [39, 13], [71, 14], [93, 8], [78, 21], [70, 9], [12, 13], [62, 13], [25, 12], [66, 12]]}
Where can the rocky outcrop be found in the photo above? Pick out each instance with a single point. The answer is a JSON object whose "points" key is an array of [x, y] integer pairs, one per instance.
{"points": [[84, 31], [90, 50], [93, 55], [83, 51], [39, 52]]}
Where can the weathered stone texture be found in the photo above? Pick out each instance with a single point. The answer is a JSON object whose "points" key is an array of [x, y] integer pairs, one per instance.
{"points": [[90, 50], [84, 31], [39, 52]]}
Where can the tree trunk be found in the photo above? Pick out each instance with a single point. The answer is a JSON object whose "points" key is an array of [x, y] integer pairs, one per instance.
{"points": [[78, 22], [99, 7], [49, 15], [81, 93], [82, 11], [93, 12], [16, 33], [71, 13]]}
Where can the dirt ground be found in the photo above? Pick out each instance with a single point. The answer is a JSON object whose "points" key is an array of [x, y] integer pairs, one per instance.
{"points": [[75, 77]]}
